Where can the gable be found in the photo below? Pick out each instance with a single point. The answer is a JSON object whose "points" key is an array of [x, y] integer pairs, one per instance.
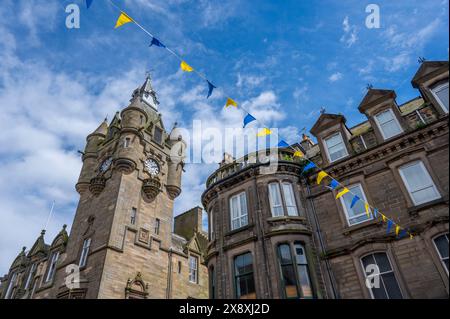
{"points": [[427, 68], [375, 96], [326, 120]]}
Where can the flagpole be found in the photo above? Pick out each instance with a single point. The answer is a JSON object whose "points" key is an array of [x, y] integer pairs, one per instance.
{"points": [[49, 215]]}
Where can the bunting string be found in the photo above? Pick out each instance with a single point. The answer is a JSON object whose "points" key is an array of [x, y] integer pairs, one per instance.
{"points": [[124, 18]]}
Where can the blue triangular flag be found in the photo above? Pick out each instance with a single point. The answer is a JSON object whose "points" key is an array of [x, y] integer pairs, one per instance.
{"points": [[248, 119], [375, 213], [157, 43], [311, 165], [402, 233], [283, 144], [389, 226], [89, 3], [334, 184], [211, 88], [354, 201]]}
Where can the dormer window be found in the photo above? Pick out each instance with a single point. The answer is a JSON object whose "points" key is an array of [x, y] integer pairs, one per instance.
{"points": [[335, 147], [440, 93], [388, 124]]}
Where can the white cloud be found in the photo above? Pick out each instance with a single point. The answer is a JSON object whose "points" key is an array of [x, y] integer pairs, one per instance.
{"points": [[335, 77], [350, 35], [398, 62]]}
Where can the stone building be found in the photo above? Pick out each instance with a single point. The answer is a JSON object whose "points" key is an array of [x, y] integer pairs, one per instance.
{"points": [[121, 240], [277, 234]]}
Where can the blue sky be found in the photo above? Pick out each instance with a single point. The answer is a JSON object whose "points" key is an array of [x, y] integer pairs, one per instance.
{"points": [[284, 60]]}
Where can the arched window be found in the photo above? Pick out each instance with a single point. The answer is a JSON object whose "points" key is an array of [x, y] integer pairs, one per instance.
{"points": [[380, 277], [441, 244]]}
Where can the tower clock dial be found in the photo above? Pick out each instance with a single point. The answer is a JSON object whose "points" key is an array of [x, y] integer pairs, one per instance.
{"points": [[152, 167], [106, 165]]}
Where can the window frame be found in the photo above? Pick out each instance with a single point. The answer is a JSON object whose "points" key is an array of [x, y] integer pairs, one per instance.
{"points": [[85, 253], [30, 276], [441, 259], [51, 269], [193, 272], [394, 118], [344, 206], [157, 228], [439, 87], [239, 215], [408, 187], [237, 276], [10, 288], [381, 273], [294, 264], [133, 216], [327, 151], [283, 197], [126, 142]]}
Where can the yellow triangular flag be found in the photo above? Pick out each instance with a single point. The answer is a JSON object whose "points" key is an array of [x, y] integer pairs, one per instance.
{"points": [[397, 230], [186, 67], [367, 206], [342, 193], [231, 102], [298, 154], [321, 176], [411, 236], [264, 132], [384, 218], [123, 19]]}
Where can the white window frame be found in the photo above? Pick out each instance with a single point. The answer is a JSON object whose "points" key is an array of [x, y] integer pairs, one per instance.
{"points": [[10, 286], [30, 275], [126, 142], [438, 88], [242, 211], [85, 252], [364, 198], [294, 201], [272, 206], [328, 151], [439, 253], [380, 273], [395, 119], [52, 267], [408, 187], [193, 269]]}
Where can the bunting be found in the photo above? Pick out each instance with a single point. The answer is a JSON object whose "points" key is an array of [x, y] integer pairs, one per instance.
{"points": [[231, 102], [123, 19], [367, 207], [310, 165], [298, 154], [211, 88], [342, 192], [333, 184], [321, 176], [283, 144], [390, 223], [354, 201], [89, 3], [375, 213], [248, 119], [186, 67], [264, 132], [156, 43]]}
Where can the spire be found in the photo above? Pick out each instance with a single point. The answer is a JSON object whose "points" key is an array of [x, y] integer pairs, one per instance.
{"points": [[102, 129], [145, 97]]}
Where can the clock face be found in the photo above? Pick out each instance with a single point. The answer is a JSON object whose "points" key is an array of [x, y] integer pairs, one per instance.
{"points": [[152, 167], [106, 165]]}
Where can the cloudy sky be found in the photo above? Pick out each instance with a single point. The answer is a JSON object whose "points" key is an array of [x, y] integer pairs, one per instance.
{"points": [[283, 60]]}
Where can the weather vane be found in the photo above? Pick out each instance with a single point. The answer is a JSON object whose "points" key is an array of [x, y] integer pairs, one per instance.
{"points": [[322, 110], [421, 60], [369, 86]]}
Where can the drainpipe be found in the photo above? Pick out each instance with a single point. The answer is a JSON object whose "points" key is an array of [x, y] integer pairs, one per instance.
{"points": [[263, 236], [169, 276], [322, 245]]}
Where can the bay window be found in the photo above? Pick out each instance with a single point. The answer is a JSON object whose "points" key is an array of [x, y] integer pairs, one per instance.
{"points": [[239, 214]]}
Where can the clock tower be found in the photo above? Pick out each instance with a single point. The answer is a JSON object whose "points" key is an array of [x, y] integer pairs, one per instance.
{"points": [[121, 237]]}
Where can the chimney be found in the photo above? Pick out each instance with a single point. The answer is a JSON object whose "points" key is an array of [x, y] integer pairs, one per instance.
{"points": [[227, 159], [306, 142], [188, 223]]}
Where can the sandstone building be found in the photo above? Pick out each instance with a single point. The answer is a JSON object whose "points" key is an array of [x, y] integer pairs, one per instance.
{"points": [[121, 239], [280, 235]]}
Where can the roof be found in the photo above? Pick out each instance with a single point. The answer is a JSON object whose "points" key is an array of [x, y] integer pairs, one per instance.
{"points": [[325, 119], [375, 96], [428, 68]]}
